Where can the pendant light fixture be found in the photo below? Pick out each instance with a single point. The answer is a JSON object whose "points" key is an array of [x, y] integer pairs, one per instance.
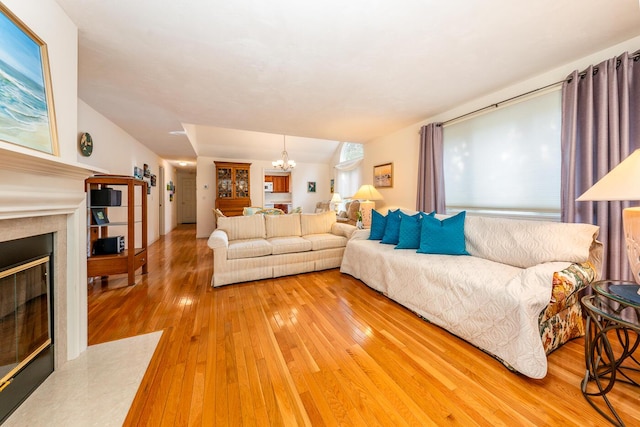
{"points": [[284, 164]]}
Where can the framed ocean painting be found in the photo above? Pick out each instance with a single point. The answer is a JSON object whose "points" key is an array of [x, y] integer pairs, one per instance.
{"points": [[27, 116]]}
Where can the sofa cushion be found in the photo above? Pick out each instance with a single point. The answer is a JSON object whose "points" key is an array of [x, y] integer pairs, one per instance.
{"points": [[378, 225], [444, 237], [317, 223], [410, 230], [392, 230], [243, 227], [325, 241], [248, 248], [288, 245], [282, 225]]}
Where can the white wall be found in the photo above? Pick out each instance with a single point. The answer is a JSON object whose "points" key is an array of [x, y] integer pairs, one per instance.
{"points": [[169, 207], [303, 173], [118, 152], [402, 147]]}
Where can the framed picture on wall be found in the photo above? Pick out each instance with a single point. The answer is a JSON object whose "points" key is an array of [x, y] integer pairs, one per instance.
{"points": [[137, 172], [311, 187], [383, 175], [332, 185], [26, 95]]}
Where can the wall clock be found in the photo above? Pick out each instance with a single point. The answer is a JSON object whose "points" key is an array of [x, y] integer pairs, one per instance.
{"points": [[86, 144]]}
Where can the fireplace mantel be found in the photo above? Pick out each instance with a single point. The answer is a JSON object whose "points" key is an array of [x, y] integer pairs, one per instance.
{"points": [[21, 159], [38, 184]]}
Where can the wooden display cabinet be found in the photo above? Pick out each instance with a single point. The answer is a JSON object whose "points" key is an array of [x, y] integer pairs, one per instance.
{"points": [[233, 186], [132, 212]]}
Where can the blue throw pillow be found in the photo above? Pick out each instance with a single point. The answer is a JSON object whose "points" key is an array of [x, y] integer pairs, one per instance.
{"points": [[409, 235], [392, 230], [444, 237], [378, 225], [410, 228]]}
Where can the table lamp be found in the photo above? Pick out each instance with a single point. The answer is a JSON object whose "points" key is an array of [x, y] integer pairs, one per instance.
{"points": [[622, 184], [335, 199], [368, 193]]}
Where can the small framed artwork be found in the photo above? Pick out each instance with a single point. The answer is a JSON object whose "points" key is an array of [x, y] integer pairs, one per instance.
{"points": [[311, 186], [383, 175], [153, 180], [99, 216], [332, 186], [147, 171], [137, 172]]}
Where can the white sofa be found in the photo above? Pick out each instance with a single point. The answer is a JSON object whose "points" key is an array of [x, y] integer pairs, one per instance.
{"points": [[515, 296], [265, 246]]}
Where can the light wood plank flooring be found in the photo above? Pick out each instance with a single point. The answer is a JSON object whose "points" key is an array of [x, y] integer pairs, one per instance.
{"points": [[317, 349]]}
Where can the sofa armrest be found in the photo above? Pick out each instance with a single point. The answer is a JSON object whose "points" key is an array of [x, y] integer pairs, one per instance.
{"points": [[362, 234], [218, 239], [571, 280], [565, 285], [342, 229]]}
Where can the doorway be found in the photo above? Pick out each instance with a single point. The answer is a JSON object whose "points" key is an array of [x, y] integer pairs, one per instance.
{"points": [[187, 198]]}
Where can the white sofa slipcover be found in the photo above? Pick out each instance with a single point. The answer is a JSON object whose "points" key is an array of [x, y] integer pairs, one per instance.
{"points": [[265, 246], [500, 297]]}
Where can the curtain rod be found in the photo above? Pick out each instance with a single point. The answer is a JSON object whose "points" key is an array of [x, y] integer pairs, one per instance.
{"points": [[635, 56], [497, 104]]}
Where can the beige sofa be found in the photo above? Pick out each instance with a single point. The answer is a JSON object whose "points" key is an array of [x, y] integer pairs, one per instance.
{"points": [[265, 246]]}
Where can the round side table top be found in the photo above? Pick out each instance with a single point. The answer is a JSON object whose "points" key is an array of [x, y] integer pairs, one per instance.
{"points": [[625, 293]]}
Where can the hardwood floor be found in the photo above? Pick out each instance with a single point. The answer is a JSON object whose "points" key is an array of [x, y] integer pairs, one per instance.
{"points": [[317, 349]]}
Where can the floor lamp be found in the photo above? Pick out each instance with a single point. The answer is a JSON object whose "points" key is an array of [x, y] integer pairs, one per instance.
{"points": [[622, 184], [369, 194]]}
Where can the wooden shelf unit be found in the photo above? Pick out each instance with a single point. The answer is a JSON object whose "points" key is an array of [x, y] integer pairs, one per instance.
{"points": [[129, 260]]}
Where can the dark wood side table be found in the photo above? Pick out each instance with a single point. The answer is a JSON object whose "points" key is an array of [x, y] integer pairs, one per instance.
{"points": [[611, 341]]}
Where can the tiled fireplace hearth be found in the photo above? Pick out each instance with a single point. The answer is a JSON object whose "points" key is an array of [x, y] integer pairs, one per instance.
{"points": [[40, 194]]}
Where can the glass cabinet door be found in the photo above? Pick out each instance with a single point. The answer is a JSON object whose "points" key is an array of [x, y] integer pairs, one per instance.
{"points": [[225, 183], [242, 183]]}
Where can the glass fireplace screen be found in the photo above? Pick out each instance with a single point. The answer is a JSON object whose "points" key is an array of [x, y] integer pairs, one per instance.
{"points": [[24, 316]]}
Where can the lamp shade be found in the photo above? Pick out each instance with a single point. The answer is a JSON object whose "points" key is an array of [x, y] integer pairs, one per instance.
{"points": [[336, 198], [367, 192], [621, 183]]}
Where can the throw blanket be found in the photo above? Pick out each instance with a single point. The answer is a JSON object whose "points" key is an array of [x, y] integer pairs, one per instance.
{"points": [[493, 306]]}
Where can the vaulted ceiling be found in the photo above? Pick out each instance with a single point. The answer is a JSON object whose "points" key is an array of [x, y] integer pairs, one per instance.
{"points": [[236, 72]]}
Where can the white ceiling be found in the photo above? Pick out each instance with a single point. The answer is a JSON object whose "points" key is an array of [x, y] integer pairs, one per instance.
{"points": [[326, 70]]}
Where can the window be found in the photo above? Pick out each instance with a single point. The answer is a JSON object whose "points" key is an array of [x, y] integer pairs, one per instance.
{"points": [[506, 162], [351, 151], [348, 171]]}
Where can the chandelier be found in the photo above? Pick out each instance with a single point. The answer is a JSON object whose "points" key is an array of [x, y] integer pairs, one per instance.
{"points": [[285, 164]]}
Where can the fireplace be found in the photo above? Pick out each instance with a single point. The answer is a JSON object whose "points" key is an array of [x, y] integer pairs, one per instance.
{"points": [[26, 330], [41, 194]]}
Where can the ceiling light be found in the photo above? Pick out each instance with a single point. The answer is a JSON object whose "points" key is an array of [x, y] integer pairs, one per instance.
{"points": [[183, 163], [177, 132], [285, 164]]}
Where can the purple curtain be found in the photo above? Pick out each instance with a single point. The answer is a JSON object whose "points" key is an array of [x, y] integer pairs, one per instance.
{"points": [[431, 170], [600, 128]]}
